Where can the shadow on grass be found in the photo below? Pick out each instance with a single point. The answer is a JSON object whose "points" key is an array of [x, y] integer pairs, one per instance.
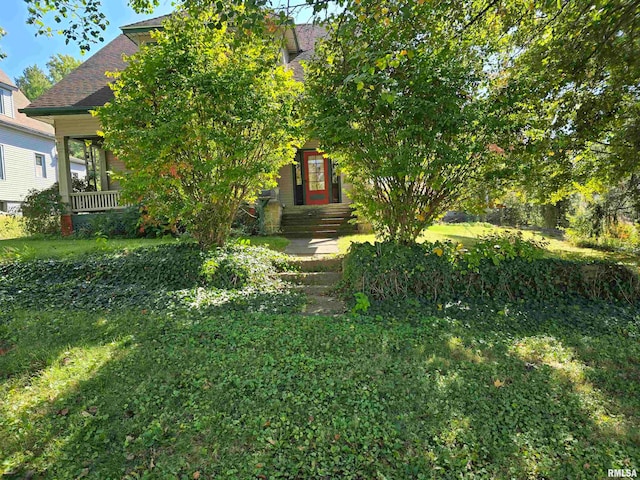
{"points": [[242, 395]]}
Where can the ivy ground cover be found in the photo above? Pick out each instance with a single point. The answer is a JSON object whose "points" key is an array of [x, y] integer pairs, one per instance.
{"points": [[186, 390]]}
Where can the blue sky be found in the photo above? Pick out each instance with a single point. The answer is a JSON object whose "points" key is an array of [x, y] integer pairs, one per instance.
{"points": [[23, 48]]}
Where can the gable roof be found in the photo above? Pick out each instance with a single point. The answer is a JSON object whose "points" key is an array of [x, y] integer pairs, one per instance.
{"points": [[149, 23], [87, 86], [6, 81], [308, 34], [20, 120]]}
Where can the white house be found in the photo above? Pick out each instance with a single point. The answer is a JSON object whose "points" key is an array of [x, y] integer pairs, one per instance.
{"points": [[28, 157]]}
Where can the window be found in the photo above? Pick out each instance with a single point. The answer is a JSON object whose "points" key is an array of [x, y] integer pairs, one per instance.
{"points": [[2, 174], [41, 167], [2, 95], [315, 166]]}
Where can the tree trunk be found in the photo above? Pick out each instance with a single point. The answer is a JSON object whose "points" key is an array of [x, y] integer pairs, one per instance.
{"points": [[550, 214]]}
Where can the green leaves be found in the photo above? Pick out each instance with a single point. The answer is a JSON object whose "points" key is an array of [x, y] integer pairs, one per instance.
{"points": [[203, 120], [502, 267], [411, 135]]}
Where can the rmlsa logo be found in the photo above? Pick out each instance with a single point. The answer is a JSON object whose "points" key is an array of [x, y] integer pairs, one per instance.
{"points": [[622, 473]]}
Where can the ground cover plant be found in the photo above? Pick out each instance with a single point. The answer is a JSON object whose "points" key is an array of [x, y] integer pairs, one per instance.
{"points": [[480, 391], [503, 266], [166, 276]]}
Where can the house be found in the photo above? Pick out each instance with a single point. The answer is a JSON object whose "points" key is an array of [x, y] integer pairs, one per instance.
{"points": [[27, 149], [311, 198]]}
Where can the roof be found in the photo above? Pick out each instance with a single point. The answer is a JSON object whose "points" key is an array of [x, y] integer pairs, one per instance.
{"points": [[6, 80], [87, 86], [308, 34], [20, 120], [149, 23]]}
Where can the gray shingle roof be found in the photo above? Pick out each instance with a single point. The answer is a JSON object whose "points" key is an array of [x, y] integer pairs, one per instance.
{"points": [[151, 22], [308, 34], [88, 86]]}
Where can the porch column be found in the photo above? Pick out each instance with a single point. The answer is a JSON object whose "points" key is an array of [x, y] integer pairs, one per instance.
{"points": [[104, 178], [64, 183]]}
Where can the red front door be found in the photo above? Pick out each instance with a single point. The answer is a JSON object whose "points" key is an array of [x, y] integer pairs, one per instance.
{"points": [[316, 170]]}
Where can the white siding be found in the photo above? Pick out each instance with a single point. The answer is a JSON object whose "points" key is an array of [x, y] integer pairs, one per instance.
{"points": [[78, 169], [19, 150], [7, 103]]}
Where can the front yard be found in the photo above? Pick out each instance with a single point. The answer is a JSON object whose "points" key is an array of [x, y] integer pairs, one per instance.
{"points": [[174, 381], [468, 233]]}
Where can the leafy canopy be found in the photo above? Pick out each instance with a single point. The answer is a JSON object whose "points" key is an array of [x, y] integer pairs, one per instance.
{"points": [[34, 81], [203, 119], [571, 72], [397, 100]]}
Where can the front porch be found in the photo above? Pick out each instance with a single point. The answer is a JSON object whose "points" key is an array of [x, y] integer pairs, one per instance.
{"points": [[99, 191], [92, 202]]}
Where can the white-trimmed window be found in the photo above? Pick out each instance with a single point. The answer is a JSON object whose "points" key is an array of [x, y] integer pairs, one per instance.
{"points": [[41, 166], [3, 93], [3, 174]]}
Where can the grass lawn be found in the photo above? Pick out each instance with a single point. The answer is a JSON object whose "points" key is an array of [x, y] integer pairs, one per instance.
{"points": [[467, 234], [27, 248]]}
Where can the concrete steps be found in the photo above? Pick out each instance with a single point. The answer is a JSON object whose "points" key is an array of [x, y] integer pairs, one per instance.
{"points": [[326, 221], [317, 278], [312, 278]]}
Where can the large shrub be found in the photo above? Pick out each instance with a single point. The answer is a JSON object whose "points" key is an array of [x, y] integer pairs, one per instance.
{"points": [[219, 131], [41, 210], [402, 112], [498, 267], [11, 226]]}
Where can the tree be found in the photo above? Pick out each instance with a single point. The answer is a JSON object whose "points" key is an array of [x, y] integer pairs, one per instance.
{"points": [[34, 82], [202, 119], [59, 66], [83, 22], [572, 71], [2, 34], [397, 100]]}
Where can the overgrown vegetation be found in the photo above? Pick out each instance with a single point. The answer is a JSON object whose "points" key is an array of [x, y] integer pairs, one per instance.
{"points": [[493, 391], [177, 275], [11, 226], [403, 118], [505, 267], [41, 211], [209, 156]]}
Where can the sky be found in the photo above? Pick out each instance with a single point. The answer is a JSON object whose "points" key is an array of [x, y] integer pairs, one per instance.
{"points": [[23, 48]]}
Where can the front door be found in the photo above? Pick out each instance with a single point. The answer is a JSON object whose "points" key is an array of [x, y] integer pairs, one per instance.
{"points": [[316, 169]]}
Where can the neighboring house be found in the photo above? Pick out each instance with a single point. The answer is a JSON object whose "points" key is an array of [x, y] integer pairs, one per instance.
{"points": [[27, 149], [310, 180], [78, 168]]}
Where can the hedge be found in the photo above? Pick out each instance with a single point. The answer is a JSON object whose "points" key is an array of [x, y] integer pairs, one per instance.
{"points": [[502, 268]]}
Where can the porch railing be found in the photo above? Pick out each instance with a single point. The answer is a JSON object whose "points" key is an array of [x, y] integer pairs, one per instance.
{"points": [[96, 201]]}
